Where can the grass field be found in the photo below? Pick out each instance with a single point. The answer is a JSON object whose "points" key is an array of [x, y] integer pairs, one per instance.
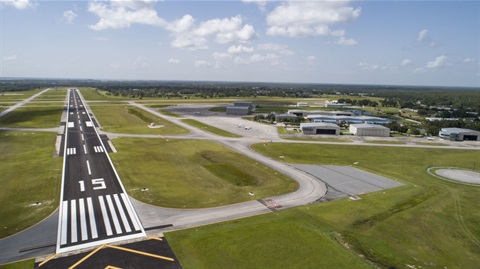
{"points": [[54, 94], [17, 96], [209, 128], [34, 117], [192, 174], [132, 120], [30, 174], [26, 264]]}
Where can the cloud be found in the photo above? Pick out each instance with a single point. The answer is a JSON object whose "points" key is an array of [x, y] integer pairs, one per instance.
{"points": [[367, 66], [258, 58], [173, 61], [346, 41], [202, 64], [10, 57], [278, 48], [69, 16], [310, 18], [18, 4], [187, 34], [469, 60], [312, 60], [439, 62], [406, 62], [422, 34], [262, 4], [240, 49], [117, 14]]}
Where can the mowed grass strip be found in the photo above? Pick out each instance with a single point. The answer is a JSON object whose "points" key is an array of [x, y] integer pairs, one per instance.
{"points": [[17, 95], [132, 120], [30, 174], [284, 239], [25, 264], [209, 128], [48, 116], [427, 221], [193, 174]]}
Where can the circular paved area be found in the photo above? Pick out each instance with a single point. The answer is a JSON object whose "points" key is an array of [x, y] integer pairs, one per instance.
{"points": [[460, 175]]}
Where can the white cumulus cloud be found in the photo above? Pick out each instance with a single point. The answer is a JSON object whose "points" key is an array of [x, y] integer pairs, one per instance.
{"points": [[69, 16], [240, 49], [468, 60], [117, 14], [202, 64], [406, 62], [422, 34], [346, 41], [278, 48], [439, 62], [173, 61], [10, 57], [310, 18], [18, 4]]}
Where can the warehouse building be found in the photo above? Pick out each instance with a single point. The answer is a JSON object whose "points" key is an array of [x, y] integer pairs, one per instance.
{"points": [[305, 113], [369, 130], [320, 128], [285, 117], [459, 134], [240, 108]]}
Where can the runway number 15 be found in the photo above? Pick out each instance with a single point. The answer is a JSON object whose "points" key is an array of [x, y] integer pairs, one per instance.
{"points": [[98, 184]]}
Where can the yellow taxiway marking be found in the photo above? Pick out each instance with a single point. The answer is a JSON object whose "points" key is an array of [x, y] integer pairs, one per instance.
{"points": [[112, 267], [154, 238], [86, 257], [45, 261], [141, 253]]}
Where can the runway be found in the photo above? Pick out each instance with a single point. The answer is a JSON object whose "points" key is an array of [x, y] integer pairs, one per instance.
{"points": [[94, 207]]}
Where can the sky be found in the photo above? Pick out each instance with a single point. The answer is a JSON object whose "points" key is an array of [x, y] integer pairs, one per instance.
{"points": [[434, 43]]}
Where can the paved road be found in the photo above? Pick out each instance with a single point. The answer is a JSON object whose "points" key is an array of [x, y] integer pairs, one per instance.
{"points": [[19, 104], [94, 208]]}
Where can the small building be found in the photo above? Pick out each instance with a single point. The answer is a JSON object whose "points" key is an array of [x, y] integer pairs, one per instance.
{"points": [[336, 104], [369, 130], [320, 128], [240, 108], [305, 113], [459, 134]]}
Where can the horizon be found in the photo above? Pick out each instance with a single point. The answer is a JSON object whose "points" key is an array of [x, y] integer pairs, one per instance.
{"points": [[308, 42]]}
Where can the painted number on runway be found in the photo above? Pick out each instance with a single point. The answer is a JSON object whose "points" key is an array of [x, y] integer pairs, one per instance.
{"points": [[98, 184]]}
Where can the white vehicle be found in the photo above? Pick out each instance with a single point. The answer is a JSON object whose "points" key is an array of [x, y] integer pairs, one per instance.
{"points": [[430, 138], [248, 127]]}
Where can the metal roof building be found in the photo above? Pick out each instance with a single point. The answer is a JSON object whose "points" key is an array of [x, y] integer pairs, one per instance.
{"points": [[459, 134], [320, 128], [369, 130]]}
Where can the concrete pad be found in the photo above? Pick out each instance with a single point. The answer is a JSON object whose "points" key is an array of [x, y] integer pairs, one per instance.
{"points": [[349, 180], [460, 175]]}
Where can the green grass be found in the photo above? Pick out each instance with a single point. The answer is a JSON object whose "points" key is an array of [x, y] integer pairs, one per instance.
{"points": [[384, 142], [26, 264], [91, 94], [18, 95], [54, 94], [427, 222], [209, 128], [192, 174], [33, 117], [218, 109], [169, 113], [432, 144], [132, 120], [30, 174]]}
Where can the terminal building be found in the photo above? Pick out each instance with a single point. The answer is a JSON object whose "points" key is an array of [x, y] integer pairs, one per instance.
{"points": [[240, 108], [347, 119], [305, 113], [320, 128], [369, 130], [459, 134]]}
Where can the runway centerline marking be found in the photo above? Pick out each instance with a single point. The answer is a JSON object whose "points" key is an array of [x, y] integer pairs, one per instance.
{"points": [[88, 167]]}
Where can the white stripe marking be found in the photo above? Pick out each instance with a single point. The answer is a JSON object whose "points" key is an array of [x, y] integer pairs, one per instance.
{"points": [[89, 124], [83, 112], [83, 219], [74, 151], [118, 229], [83, 138], [63, 236], [81, 130], [85, 148], [73, 213], [122, 214], [71, 124], [93, 225], [71, 113], [130, 211], [88, 167], [105, 215]]}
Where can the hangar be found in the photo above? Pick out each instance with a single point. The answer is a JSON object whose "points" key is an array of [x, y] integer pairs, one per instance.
{"points": [[320, 128], [369, 130], [240, 108], [459, 134]]}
